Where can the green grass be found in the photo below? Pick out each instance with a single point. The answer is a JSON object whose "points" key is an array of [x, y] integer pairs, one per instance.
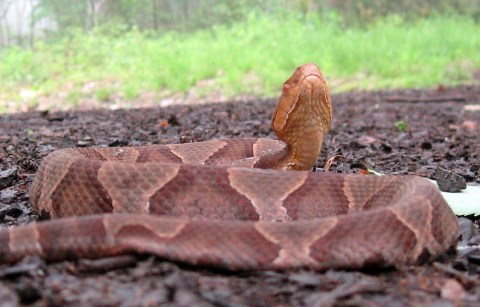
{"points": [[251, 57]]}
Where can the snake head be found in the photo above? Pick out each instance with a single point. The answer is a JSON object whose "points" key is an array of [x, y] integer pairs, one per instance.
{"points": [[304, 106]]}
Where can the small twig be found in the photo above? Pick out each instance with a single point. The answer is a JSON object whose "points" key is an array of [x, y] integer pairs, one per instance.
{"points": [[425, 99], [330, 162], [106, 264]]}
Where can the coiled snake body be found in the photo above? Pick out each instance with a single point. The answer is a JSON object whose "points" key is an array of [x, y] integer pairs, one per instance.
{"points": [[234, 204]]}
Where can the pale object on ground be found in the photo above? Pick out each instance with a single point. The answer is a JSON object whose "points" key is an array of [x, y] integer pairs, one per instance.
{"points": [[472, 107], [466, 202]]}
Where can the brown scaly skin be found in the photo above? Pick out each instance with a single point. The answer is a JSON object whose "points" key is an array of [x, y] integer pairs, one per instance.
{"points": [[191, 203], [302, 118]]}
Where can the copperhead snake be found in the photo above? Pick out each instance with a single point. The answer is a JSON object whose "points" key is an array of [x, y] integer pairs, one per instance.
{"points": [[236, 204]]}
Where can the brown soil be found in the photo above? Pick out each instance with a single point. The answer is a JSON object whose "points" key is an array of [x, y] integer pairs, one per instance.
{"points": [[399, 135]]}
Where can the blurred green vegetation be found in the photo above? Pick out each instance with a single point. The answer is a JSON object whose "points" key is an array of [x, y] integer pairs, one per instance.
{"points": [[249, 51], [188, 15]]}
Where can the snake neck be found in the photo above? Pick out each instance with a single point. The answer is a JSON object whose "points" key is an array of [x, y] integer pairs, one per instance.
{"points": [[302, 155]]}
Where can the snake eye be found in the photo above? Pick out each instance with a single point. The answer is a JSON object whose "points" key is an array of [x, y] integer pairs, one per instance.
{"points": [[286, 87]]}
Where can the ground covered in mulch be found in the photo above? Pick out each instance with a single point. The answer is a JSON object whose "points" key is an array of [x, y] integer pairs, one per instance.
{"points": [[395, 132]]}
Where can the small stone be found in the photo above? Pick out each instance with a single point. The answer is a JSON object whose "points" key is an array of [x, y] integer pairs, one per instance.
{"points": [[449, 181], [83, 143], [7, 195], [7, 177]]}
